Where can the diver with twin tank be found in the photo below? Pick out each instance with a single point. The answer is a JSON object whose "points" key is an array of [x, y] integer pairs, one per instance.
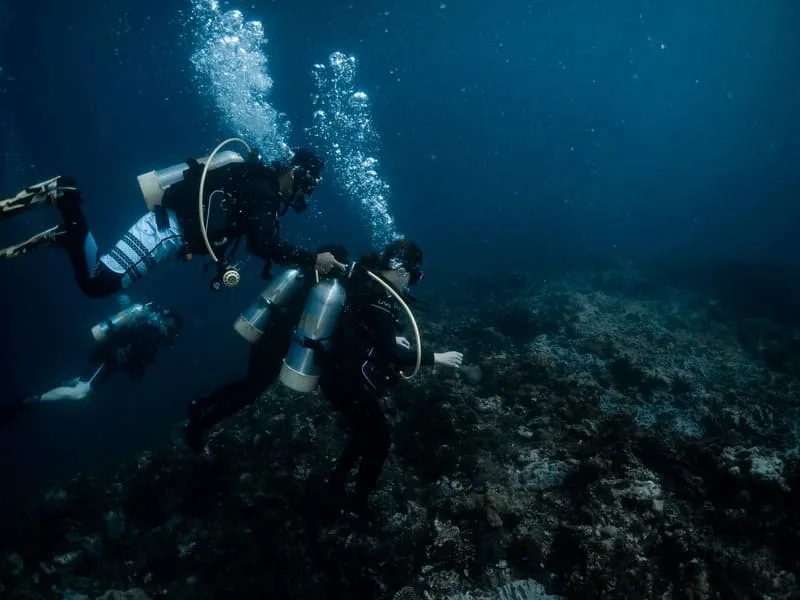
{"points": [[345, 342]]}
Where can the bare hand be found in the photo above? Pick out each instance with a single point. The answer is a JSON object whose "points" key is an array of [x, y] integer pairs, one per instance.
{"points": [[401, 341], [449, 359], [326, 262]]}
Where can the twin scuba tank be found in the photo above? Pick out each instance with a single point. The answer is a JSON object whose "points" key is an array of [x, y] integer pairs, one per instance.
{"points": [[300, 370], [280, 291], [324, 304]]}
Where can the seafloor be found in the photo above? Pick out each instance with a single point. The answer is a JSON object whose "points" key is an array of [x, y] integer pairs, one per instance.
{"points": [[610, 438]]}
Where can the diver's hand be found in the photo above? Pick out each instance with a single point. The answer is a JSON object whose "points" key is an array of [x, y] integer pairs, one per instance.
{"points": [[401, 341], [326, 262], [448, 359]]}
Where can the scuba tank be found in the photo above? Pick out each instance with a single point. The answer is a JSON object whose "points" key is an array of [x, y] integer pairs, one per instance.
{"points": [[154, 183], [250, 324], [300, 371], [124, 317]]}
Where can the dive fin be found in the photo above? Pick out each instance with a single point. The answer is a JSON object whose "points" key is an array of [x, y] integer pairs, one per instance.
{"points": [[40, 193], [48, 237]]}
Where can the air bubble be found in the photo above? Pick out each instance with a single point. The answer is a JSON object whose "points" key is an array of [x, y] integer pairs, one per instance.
{"points": [[349, 138]]}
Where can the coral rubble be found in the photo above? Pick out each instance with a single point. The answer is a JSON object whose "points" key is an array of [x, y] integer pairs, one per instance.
{"points": [[610, 439]]}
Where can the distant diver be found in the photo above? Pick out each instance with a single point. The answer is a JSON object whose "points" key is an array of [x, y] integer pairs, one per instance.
{"points": [[126, 342], [202, 207]]}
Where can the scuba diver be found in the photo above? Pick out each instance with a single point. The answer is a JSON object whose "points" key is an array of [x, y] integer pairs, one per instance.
{"points": [[200, 207], [124, 343], [270, 341], [363, 363]]}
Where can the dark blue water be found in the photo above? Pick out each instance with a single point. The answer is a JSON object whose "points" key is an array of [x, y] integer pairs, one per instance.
{"points": [[532, 135]]}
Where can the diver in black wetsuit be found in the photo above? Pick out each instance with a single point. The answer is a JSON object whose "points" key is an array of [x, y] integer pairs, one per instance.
{"points": [[266, 356], [126, 343], [363, 364], [242, 198]]}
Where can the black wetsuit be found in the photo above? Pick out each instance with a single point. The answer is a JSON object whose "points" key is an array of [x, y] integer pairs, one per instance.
{"points": [[360, 368], [251, 209]]}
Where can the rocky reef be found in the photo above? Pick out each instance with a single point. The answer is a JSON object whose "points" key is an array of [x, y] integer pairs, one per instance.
{"points": [[609, 438]]}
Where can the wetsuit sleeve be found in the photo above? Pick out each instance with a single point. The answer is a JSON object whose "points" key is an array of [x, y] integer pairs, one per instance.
{"points": [[378, 317], [262, 227]]}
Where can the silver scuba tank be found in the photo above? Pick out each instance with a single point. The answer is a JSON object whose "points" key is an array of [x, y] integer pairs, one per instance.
{"points": [[300, 371], [121, 319], [250, 324], [154, 183]]}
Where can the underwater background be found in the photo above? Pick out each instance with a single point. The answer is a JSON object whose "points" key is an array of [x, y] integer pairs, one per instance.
{"points": [[516, 137]]}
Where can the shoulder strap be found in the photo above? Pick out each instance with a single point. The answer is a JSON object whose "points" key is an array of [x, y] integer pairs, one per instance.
{"points": [[162, 218]]}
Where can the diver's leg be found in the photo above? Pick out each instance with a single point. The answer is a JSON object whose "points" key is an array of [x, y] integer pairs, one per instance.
{"points": [[347, 461], [372, 431], [62, 192], [213, 408], [94, 278], [149, 242], [369, 441], [340, 395], [223, 402], [265, 361]]}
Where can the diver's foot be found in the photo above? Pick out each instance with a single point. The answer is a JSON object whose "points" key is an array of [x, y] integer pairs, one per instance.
{"points": [[193, 435], [358, 513], [55, 236]]}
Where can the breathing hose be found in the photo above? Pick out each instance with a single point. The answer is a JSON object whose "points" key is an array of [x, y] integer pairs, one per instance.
{"points": [[411, 318], [203, 230], [214, 258]]}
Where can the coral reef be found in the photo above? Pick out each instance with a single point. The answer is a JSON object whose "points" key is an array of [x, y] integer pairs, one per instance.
{"points": [[610, 439]]}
